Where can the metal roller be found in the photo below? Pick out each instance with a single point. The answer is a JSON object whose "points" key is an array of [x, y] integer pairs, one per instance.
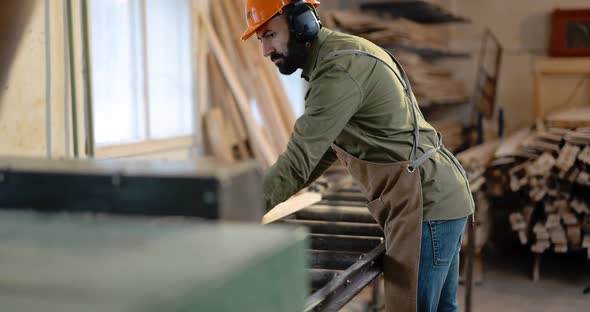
{"points": [[347, 196], [337, 214], [349, 203], [344, 243], [332, 260], [351, 189], [340, 228]]}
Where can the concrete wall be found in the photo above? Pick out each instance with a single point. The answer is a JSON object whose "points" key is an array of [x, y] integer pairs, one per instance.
{"points": [[523, 28], [33, 102]]}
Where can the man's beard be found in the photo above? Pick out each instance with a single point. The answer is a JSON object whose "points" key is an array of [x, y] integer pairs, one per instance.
{"points": [[295, 58]]}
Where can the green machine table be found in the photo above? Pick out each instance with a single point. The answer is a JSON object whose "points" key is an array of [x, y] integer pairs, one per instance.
{"points": [[67, 262]]}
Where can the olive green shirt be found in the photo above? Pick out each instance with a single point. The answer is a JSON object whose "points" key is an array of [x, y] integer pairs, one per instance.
{"points": [[358, 103]]}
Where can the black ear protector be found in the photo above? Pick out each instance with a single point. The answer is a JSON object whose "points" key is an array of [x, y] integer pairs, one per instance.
{"points": [[303, 21]]}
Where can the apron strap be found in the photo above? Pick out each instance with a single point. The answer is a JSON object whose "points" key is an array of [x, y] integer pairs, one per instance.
{"points": [[405, 83], [429, 153]]}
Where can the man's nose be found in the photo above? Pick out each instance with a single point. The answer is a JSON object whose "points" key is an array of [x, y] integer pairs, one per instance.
{"points": [[267, 49]]}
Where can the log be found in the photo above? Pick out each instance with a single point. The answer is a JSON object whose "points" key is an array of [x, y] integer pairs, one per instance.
{"points": [[584, 155], [574, 234], [567, 157]]}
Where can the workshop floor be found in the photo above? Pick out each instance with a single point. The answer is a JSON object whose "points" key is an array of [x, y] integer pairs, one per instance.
{"points": [[507, 285]]}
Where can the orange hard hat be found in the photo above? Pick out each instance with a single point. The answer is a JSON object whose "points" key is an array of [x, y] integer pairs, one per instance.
{"points": [[259, 12]]}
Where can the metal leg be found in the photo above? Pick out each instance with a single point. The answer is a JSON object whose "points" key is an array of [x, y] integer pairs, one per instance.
{"points": [[469, 266], [375, 305], [537, 267], [478, 270]]}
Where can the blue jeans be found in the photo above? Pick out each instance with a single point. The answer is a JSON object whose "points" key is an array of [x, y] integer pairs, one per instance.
{"points": [[438, 275]]}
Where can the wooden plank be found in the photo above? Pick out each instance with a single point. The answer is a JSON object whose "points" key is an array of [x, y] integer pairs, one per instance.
{"points": [[567, 156], [272, 118], [235, 20], [541, 166], [281, 97], [290, 206], [201, 51], [252, 69], [482, 154], [225, 35], [570, 118], [217, 98], [584, 155], [220, 95], [510, 145], [144, 147], [565, 65], [260, 143], [217, 135]]}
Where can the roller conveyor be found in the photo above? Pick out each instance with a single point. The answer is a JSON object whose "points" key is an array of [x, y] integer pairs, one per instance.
{"points": [[346, 248], [334, 213], [340, 228]]}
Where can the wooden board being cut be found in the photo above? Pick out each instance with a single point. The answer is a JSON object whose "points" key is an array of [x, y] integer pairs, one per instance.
{"points": [[291, 206]]}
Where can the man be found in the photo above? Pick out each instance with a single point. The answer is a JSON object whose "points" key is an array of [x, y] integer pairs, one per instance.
{"points": [[360, 108]]}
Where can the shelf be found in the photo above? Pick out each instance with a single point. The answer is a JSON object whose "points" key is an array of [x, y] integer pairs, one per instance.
{"points": [[426, 53], [555, 66], [419, 11]]}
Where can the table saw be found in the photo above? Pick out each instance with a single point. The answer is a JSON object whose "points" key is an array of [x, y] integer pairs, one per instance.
{"points": [[78, 262], [342, 252]]}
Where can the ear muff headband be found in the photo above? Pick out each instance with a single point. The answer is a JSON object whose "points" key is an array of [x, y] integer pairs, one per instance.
{"points": [[303, 21]]}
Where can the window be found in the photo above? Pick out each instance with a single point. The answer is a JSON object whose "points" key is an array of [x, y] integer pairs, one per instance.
{"points": [[295, 88], [142, 70]]}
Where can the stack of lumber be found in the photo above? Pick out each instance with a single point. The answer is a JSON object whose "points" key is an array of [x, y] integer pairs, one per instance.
{"points": [[241, 81], [549, 171], [388, 32], [432, 84]]}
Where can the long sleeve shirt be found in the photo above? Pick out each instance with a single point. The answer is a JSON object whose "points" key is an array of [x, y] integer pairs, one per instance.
{"points": [[358, 103]]}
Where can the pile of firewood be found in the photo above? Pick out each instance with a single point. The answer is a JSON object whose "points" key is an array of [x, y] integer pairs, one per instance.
{"points": [[550, 172]]}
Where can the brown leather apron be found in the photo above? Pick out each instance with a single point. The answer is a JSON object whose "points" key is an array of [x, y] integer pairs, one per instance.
{"points": [[394, 191]]}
